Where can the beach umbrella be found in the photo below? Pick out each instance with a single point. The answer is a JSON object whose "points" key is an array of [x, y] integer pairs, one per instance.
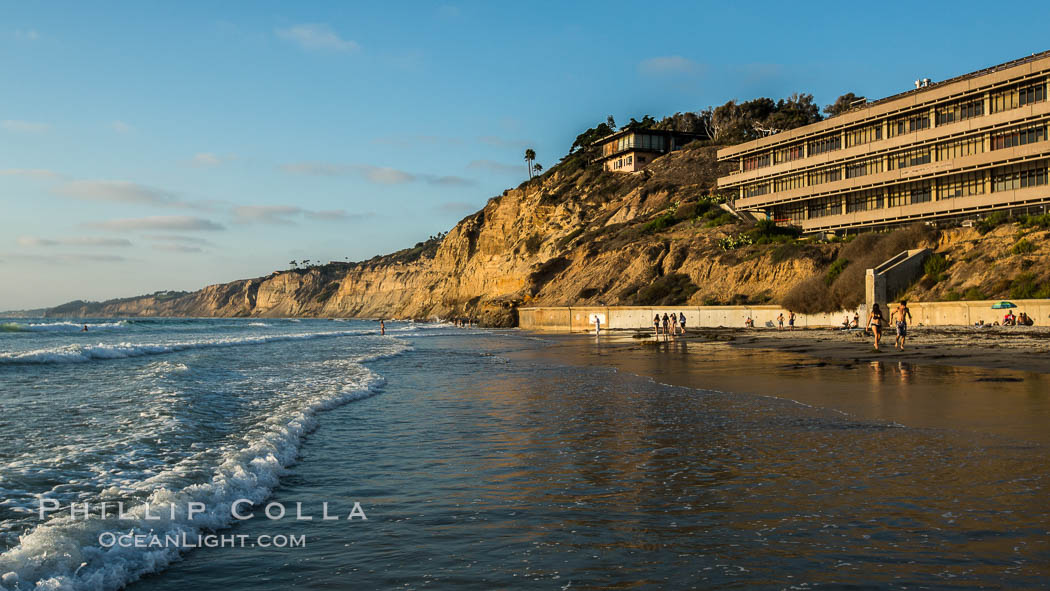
{"points": [[1003, 305]]}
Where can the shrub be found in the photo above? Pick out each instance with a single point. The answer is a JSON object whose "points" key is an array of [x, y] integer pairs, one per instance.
{"points": [[669, 290], [991, 222], [662, 222], [1036, 221], [974, 293], [953, 296], [1023, 246], [1026, 287], [935, 264], [835, 270]]}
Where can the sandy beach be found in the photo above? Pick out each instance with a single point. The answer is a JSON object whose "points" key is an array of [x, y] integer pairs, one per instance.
{"points": [[996, 347]]}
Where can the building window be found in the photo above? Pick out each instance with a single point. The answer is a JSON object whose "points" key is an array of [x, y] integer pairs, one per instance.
{"points": [[863, 135], [909, 194], [793, 213], [864, 167], [1019, 136], [789, 153], [825, 144], [909, 158], [827, 175], [864, 200], [961, 185], [1019, 176], [1018, 96], [908, 124], [959, 148], [756, 162], [824, 206], [959, 111], [630, 160], [756, 189], [787, 183]]}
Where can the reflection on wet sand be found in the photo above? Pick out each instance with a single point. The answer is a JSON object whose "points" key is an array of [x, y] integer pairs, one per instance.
{"points": [[1005, 402]]}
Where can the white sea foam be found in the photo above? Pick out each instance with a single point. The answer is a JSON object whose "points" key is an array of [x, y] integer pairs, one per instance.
{"points": [[60, 326], [64, 554], [258, 324], [103, 351]]}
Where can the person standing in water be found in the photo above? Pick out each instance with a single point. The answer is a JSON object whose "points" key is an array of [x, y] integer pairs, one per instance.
{"points": [[84, 329], [780, 321], [382, 327], [901, 316], [597, 325], [791, 321], [875, 324]]}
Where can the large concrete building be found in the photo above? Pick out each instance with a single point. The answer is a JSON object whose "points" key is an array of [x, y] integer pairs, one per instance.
{"points": [[961, 147]]}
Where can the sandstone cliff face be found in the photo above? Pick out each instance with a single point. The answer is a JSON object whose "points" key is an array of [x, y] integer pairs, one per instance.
{"points": [[570, 237]]}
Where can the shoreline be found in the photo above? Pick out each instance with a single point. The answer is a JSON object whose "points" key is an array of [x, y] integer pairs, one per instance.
{"points": [[1009, 348]]}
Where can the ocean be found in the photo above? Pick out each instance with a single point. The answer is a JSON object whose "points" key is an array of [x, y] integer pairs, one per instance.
{"points": [[330, 456]]}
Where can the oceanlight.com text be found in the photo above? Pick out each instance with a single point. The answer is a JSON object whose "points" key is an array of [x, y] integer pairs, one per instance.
{"points": [[185, 541]]}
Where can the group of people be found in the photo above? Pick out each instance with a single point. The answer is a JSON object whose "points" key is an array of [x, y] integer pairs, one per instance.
{"points": [[671, 325], [1021, 319], [900, 318], [848, 324]]}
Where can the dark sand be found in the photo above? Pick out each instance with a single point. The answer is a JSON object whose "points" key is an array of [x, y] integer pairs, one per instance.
{"points": [[993, 381]]}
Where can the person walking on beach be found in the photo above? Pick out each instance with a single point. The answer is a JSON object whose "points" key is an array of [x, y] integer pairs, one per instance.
{"points": [[875, 324], [656, 326], [674, 324], [791, 321], [667, 325], [902, 315], [780, 321], [597, 325], [681, 322]]}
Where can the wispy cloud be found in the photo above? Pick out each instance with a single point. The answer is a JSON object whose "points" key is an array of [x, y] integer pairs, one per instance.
{"points": [[184, 248], [67, 259], [669, 65], [380, 175], [499, 167], [210, 159], [317, 37], [36, 173], [34, 241], [121, 127], [290, 214], [19, 126], [178, 223], [457, 207], [27, 35], [179, 239], [118, 192], [408, 141], [501, 142]]}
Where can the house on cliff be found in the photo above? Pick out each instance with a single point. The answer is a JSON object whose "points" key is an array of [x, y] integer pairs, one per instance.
{"points": [[631, 150]]}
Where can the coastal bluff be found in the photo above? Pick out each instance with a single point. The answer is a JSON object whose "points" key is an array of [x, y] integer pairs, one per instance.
{"points": [[582, 236]]}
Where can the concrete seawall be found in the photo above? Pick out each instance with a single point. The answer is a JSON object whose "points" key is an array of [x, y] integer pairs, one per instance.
{"points": [[578, 319]]}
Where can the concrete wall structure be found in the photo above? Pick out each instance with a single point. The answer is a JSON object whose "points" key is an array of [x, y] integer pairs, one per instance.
{"points": [[962, 147], [893, 277], [577, 319]]}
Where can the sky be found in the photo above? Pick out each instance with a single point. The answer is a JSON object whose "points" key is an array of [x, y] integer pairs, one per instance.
{"points": [[150, 146]]}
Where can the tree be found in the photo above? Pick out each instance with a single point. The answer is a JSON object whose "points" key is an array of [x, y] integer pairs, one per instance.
{"points": [[538, 168], [611, 122], [842, 104], [530, 155]]}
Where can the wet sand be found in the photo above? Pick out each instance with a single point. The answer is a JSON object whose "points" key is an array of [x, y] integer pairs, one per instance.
{"points": [[981, 382]]}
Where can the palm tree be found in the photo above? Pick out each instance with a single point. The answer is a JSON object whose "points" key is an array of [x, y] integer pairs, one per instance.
{"points": [[293, 263], [530, 155], [538, 168]]}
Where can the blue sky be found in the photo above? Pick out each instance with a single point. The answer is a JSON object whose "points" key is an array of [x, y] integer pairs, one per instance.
{"points": [[148, 146]]}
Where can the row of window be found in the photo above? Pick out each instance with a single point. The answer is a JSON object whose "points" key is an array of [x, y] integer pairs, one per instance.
{"points": [[918, 156], [1001, 100], [1003, 178]]}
